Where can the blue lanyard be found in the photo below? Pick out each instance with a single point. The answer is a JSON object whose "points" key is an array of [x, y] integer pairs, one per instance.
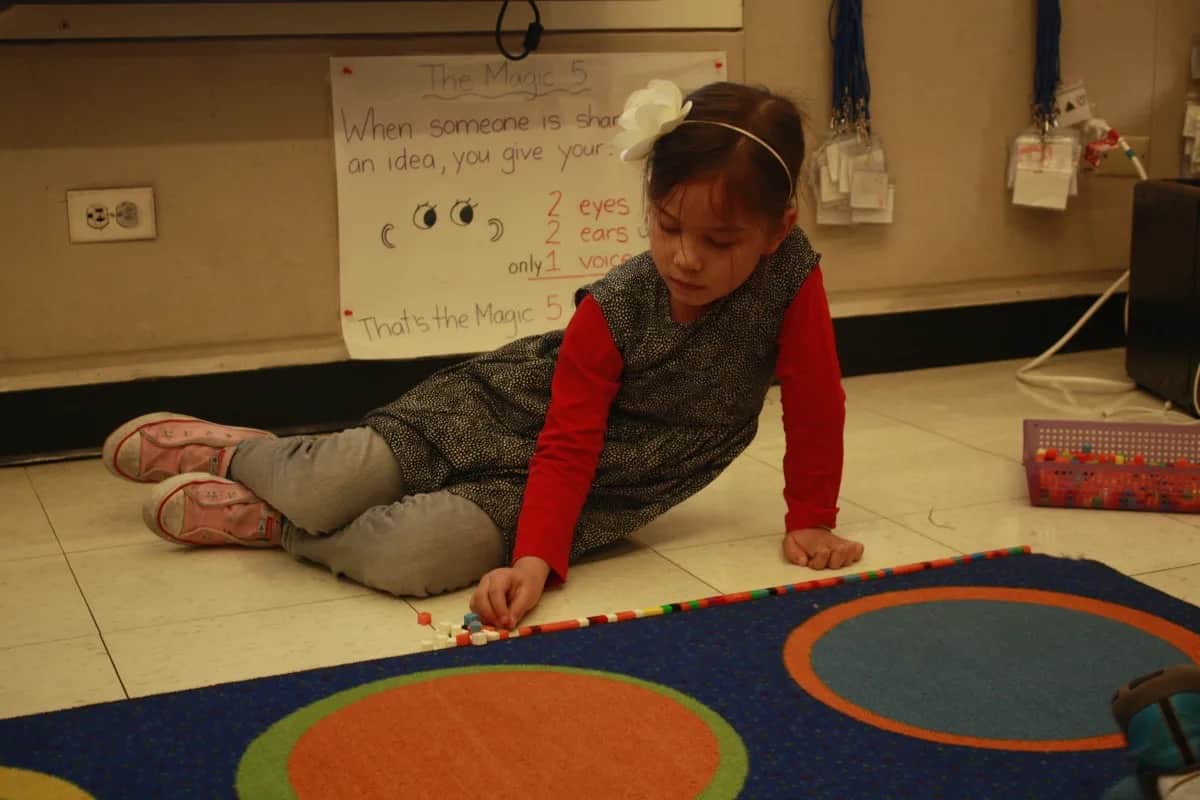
{"points": [[851, 83], [1046, 67]]}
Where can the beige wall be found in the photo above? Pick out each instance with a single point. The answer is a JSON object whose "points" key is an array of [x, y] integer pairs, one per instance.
{"points": [[235, 137], [951, 85]]}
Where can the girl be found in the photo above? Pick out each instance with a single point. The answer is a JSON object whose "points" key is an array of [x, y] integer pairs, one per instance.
{"points": [[506, 468]]}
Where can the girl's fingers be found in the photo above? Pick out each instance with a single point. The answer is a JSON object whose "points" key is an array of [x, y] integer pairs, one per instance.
{"points": [[480, 603], [498, 602], [820, 559], [794, 552]]}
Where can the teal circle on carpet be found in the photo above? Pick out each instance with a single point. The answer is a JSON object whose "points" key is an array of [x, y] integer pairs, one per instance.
{"points": [[989, 669]]}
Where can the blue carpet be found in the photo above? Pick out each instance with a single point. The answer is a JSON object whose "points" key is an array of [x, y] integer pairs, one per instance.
{"points": [[973, 668]]}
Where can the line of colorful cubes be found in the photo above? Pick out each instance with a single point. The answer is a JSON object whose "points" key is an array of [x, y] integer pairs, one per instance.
{"points": [[1085, 455], [1143, 485], [447, 634]]}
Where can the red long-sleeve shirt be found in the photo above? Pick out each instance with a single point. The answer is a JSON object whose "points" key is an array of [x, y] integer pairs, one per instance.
{"points": [[586, 380]]}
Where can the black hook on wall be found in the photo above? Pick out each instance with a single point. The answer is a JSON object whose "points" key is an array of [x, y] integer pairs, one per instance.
{"points": [[533, 34]]}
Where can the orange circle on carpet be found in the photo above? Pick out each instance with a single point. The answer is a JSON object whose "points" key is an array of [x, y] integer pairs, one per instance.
{"points": [[799, 647], [528, 732]]}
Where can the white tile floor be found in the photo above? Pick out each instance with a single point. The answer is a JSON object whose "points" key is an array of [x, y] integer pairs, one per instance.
{"points": [[94, 608]]}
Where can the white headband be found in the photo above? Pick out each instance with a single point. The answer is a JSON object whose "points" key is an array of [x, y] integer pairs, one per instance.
{"points": [[655, 111]]}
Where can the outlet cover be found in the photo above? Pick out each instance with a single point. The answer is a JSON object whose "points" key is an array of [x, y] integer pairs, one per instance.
{"points": [[111, 215]]}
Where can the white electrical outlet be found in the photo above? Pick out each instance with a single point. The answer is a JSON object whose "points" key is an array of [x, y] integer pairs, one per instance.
{"points": [[111, 215]]}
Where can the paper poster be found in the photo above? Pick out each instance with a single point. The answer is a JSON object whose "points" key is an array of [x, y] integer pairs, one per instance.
{"points": [[476, 194]]}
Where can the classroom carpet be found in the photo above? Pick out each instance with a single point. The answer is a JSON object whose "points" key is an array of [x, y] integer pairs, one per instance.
{"points": [[985, 676]]}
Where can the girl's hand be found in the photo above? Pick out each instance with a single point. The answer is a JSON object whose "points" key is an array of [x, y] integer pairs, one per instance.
{"points": [[506, 594], [820, 549]]}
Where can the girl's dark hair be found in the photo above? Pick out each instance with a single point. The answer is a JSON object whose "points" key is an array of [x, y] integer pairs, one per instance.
{"points": [[753, 179]]}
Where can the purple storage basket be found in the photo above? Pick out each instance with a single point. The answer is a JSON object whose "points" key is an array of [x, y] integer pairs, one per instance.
{"points": [[1157, 485]]}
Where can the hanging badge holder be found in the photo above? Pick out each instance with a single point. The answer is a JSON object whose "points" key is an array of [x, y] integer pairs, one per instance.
{"points": [[833, 207], [1043, 169], [868, 178], [1043, 164], [850, 175], [828, 163]]}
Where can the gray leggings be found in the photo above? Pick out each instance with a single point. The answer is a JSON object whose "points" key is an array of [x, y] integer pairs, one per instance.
{"points": [[345, 506]]}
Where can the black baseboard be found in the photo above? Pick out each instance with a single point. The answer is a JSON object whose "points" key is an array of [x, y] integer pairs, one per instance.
{"points": [[321, 397], [974, 334]]}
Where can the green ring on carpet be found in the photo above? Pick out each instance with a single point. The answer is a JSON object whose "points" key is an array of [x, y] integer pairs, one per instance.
{"points": [[262, 773], [27, 784]]}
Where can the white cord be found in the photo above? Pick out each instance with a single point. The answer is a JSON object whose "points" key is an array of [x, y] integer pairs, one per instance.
{"points": [[1164, 412], [1097, 129], [1183, 782], [1077, 381], [1196, 392]]}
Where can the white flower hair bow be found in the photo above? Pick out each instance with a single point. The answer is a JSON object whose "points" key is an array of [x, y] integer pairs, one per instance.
{"points": [[649, 114]]}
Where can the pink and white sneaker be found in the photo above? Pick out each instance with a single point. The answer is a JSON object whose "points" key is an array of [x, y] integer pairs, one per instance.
{"points": [[201, 509], [154, 447]]}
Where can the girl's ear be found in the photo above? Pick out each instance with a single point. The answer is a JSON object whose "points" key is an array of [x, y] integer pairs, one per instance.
{"points": [[778, 234]]}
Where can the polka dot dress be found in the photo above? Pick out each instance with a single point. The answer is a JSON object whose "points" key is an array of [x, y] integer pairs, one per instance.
{"points": [[688, 404]]}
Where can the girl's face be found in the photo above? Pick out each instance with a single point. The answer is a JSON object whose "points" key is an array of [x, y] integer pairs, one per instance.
{"points": [[705, 247]]}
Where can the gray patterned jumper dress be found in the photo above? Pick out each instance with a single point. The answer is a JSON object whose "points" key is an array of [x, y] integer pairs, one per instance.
{"points": [[688, 404]]}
